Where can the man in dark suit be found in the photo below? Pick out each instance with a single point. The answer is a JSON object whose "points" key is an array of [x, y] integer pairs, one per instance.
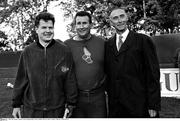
{"points": [[133, 71]]}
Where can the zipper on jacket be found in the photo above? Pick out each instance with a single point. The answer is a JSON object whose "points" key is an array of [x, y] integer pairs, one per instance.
{"points": [[45, 78], [45, 56]]}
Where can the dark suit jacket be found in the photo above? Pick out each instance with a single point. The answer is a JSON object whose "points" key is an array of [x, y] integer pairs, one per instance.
{"points": [[133, 73]]}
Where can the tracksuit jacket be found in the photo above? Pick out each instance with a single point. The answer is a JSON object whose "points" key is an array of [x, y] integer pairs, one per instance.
{"points": [[45, 78]]}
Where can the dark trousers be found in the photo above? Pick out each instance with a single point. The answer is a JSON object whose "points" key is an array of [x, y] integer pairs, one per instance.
{"points": [[91, 105], [118, 110], [32, 113]]}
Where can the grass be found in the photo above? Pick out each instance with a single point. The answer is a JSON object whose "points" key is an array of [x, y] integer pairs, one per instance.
{"points": [[5, 98], [170, 107]]}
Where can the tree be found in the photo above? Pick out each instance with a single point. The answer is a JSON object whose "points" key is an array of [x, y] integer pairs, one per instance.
{"points": [[150, 13], [3, 38], [170, 12], [98, 9], [155, 14], [20, 15]]}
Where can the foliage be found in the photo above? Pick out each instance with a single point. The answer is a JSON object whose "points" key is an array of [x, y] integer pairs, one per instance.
{"points": [[3, 37], [170, 13], [20, 15], [155, 15], [98, 9]]}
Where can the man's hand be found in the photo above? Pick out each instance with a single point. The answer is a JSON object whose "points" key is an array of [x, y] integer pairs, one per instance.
{"points": [[16, 113], [152, 113], [68, 111]]}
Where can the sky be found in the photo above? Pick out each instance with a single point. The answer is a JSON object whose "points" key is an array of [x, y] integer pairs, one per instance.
{"points": [[60, 24]]}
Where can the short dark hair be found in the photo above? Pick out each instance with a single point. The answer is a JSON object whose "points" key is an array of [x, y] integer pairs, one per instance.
{"points": [[83, 13], [44, 16]]}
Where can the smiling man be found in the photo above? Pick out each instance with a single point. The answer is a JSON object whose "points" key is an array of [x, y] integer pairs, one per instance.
{"points": [[45, 81], [88, 55], [133, 73]]}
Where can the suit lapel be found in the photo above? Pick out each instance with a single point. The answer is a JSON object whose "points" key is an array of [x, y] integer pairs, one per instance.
{"points": [[125, 46], [127, 43], [112, 43]]}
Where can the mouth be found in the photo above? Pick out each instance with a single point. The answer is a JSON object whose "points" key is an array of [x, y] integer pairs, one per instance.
{"points": [[121, 25], [82, 30], [48, 35]]}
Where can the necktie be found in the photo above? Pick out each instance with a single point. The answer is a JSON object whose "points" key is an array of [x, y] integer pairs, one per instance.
{"points": [[120, 42]]}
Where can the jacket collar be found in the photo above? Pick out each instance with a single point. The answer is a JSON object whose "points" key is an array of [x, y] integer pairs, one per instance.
{"points": [[49, 45], [124, 35], [125, 46]]}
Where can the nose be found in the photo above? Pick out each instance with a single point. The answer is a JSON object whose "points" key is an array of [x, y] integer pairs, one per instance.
{"points": [[48, 29], [80, 26], [119, 20]]}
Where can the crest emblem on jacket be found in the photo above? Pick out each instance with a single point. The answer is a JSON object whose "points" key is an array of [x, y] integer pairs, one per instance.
{"points": [[64, 69]]}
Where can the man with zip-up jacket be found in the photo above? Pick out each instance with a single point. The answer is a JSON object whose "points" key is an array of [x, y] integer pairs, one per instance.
{"points": [[45, 84]]}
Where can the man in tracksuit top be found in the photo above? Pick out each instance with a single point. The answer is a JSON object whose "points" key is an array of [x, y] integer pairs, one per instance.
{"points": [[45, 83]]}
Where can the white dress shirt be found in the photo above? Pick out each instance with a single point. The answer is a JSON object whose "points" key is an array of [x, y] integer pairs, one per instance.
{"points": [[124, 36]]}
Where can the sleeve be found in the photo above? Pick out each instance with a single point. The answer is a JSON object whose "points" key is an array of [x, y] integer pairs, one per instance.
{"points": [[20, 83], [152, 74], [71, 83]]}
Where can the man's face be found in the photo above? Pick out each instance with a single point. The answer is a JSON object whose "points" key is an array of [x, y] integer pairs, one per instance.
{"points": [[45, 31], [82, 26], [118, 19]]}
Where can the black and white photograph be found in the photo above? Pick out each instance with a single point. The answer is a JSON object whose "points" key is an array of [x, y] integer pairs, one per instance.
{"points": [[89, 59]]}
